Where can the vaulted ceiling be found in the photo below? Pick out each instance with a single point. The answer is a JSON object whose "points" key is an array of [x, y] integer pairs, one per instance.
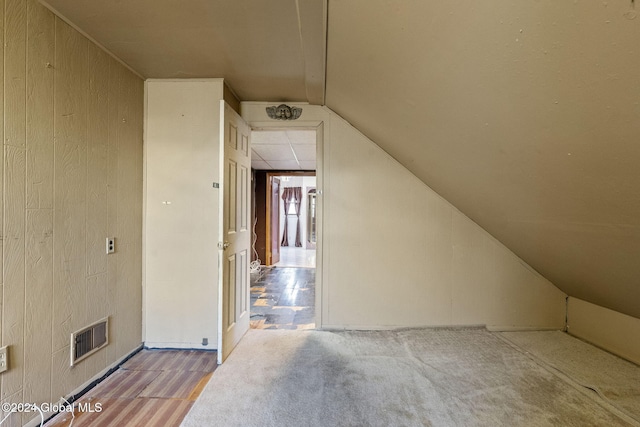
{"points": [[525, 115]]}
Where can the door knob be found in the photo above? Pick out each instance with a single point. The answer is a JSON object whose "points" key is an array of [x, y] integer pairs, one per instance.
{"points": [[225, 245]]}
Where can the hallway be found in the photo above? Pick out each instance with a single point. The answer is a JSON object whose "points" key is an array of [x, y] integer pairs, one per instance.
{"points": [[283, 298], [296, 257]]}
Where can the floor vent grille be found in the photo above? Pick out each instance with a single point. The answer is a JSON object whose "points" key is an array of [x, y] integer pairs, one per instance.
{"points": [[88, 340]]}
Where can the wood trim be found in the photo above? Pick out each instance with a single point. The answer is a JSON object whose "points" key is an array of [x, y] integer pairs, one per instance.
{"points": [[270, 176], [271, 173], [267, 234], [230, 97]]}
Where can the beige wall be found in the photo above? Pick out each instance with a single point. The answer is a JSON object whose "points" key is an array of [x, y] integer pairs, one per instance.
{"points": [[71, 176], [396, 254], [181, 227], [608, 329]]}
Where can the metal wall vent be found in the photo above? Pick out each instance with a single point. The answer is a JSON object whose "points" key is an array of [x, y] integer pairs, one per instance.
{"points": [[88, 340]]}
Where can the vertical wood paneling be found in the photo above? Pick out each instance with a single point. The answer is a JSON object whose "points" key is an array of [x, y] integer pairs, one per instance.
{"points": [[98, 139], [14, 260], [64, 379], [14, 182], [70, 175], [129, 289], [97, 201], [70, 184], [135, 99], [115, 76], [124, 243], [15, 72], [2, 84], [38, 308], [39, 203], [40, 63], [15, 420], [97, 308]]}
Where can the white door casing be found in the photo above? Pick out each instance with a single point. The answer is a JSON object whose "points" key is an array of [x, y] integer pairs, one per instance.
{"points": [[235, 248]]}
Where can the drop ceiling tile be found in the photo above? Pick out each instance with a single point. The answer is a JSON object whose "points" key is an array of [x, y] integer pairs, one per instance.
{"points": [[260, 165], [308, 165], [285, 164], [269, 137], [255, 156], [304, 152], [302, 136], [274, 152]]}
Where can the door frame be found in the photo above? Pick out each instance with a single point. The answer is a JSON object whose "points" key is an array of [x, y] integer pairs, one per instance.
{"points": [[319, 127], [268, 204], [268, 253]]}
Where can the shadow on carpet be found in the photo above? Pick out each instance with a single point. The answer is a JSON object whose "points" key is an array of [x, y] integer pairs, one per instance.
{"points": [[416, 377]]}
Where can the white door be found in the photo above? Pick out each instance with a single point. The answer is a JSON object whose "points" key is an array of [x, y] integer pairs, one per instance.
{"points": [[235, 235]]}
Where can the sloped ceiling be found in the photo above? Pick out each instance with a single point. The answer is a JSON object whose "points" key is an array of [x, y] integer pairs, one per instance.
{"points": [[523, 114]]}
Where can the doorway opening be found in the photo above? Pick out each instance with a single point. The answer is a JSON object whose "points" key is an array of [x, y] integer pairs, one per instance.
{"points": [[285, 229]]}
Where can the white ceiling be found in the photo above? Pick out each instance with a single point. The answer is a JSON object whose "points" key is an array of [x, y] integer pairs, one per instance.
{"points": [[525, 115], [283, 150], [267, 50]]}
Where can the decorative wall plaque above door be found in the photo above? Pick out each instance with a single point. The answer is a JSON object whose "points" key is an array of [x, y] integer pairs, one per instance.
{"points": [[284, 112]]}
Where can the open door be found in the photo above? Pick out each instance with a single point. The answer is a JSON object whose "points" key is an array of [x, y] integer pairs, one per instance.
{"points": [[235, 248], [273, 219]]}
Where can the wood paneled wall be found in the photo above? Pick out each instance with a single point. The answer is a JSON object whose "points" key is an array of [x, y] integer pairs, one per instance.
{"points": [[71, 172]]}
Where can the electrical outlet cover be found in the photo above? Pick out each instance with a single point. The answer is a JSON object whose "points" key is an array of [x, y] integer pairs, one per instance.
{"points": [[111, 245], [4, 358]]}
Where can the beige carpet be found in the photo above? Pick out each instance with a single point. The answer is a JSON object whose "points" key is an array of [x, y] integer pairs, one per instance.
{"points": [[419, 377], [615, 380]]}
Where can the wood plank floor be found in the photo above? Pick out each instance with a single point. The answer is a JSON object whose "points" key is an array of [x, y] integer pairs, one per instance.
{"points": [[153, 388]]}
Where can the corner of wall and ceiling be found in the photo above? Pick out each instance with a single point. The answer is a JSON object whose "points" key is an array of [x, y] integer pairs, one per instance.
{"points": [[91, 39]]}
